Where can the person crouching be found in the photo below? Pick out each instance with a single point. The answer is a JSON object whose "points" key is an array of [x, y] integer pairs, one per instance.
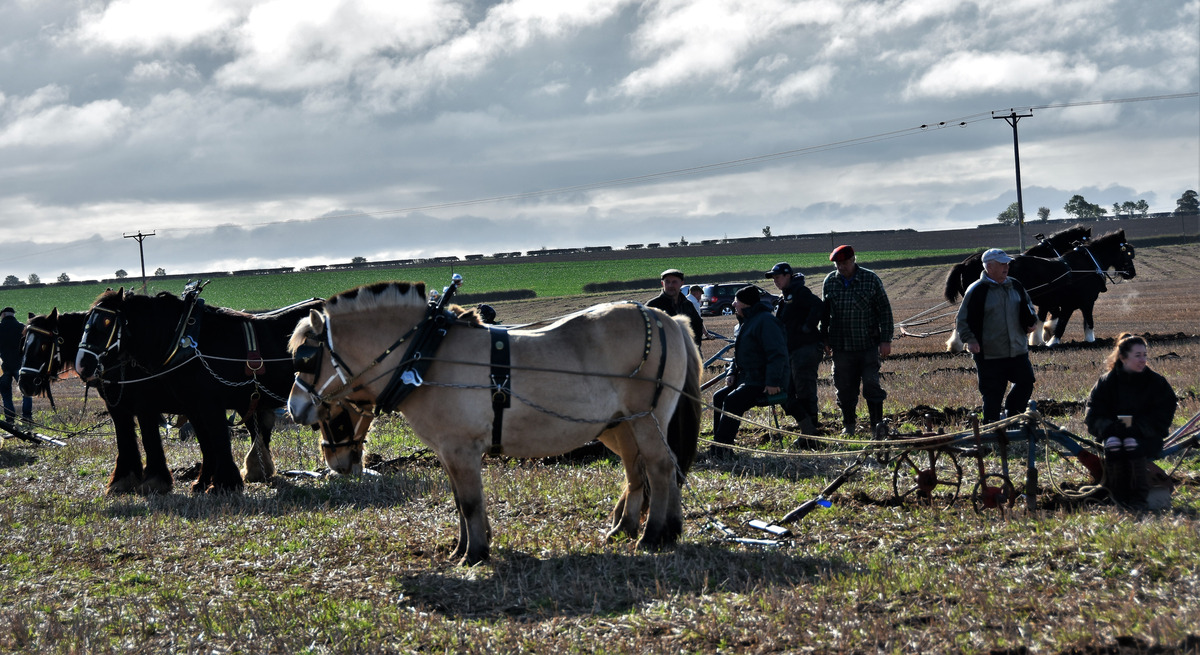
{"points": [[760, 363]]}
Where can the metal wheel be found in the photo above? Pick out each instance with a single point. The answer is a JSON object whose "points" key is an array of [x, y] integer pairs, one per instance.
{"points": [[927, 477], [994, 491]]}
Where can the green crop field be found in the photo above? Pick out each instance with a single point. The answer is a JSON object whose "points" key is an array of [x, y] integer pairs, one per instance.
{"points": [[546, 279]]}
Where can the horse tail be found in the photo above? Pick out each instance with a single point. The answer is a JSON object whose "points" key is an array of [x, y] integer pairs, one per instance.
{"points": [[683, 432], [954, 282]]}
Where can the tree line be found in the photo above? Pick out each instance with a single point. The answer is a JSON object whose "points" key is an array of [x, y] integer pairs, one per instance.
{"points": [[1187, 205]]}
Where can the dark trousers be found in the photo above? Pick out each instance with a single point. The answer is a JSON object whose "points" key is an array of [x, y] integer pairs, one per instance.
{"points": [[802, 401], [734, 402], [852, 368], [6, 393], [994, 376]]}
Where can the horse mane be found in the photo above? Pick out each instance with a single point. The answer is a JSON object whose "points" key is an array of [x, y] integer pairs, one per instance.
{"points": [[377, 295]]}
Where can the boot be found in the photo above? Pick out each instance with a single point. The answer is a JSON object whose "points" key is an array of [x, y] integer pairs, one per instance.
{"points": [[1139, 483], [1116, 478], [875, 410], [849, 421]]}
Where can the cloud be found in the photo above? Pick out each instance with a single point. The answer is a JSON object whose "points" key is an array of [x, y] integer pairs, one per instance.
{"points": [[44, 120], [146, 25], [976, 73]]}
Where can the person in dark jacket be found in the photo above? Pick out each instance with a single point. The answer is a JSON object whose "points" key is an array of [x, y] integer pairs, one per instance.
{"points": [[759, 361], [1130, 409], [800, 311], [10, 362], [994, 321], [674, 303]]}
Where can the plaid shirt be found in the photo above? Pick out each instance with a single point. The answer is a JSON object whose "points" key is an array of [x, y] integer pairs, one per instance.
{"points": [[857, 316]]}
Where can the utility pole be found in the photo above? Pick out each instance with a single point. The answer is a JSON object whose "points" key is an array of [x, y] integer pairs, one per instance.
{"points": [[141, 253], [1012, 119]]}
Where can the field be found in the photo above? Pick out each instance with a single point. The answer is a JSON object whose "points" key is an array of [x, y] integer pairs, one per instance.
{"points": [[359, 564], [546, 279]]}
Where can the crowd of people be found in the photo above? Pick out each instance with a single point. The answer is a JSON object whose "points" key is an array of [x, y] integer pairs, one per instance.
{"points": [[778, 350]]}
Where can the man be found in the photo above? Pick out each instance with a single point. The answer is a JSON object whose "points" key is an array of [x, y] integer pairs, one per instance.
{"points": [[800, 312], [994, 320], [10, 361], [695, 292], [759, 363], [674, 303], [857, 330]]}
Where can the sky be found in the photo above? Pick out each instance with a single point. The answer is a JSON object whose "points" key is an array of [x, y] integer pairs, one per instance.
{"points": [[249, 134]]}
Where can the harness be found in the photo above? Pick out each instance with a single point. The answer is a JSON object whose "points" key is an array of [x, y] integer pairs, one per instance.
{"points": [[184, 344], [501, 377]]}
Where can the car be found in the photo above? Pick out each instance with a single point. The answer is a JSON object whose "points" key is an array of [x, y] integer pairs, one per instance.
{"points": [[718, 298]]}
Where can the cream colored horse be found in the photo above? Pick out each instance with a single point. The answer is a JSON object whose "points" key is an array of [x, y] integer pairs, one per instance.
{"points": [[625, 374]]}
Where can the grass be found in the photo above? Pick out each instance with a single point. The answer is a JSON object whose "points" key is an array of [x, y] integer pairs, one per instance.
{"points": [[547, 279]]}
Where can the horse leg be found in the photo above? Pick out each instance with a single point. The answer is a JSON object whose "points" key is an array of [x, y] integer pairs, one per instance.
{"points": [[1044, 329], [627, 513], [127, 470], [664, 519], [954, 344], [1060, 327], [466, 479], [259, 465], [157, 478], [219, 472], [1089, 323]]}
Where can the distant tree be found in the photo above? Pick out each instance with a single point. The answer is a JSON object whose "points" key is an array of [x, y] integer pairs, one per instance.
{"points": [[1080, 208], [33, 279], [12, 281], [1044, 214], [1142, 207], [121, 274], [358, 260], [1188, 204], [160, 271], [767, 231], [682, 241], [63, 277], [1008, 216]]}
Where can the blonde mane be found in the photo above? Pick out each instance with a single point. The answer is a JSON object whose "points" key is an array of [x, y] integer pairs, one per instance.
{"points": [[376, 296]]}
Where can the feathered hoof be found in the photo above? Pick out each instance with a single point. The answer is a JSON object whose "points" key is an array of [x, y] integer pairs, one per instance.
{"points": [[125, 485], [258, 469], [156, 485]]}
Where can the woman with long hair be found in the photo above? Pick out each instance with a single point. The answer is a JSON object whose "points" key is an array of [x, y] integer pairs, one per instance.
{"points": [[1130, 410]]}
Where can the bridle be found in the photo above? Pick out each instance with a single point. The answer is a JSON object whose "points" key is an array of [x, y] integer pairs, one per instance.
{"points": [[105, 326], [53, 357]]}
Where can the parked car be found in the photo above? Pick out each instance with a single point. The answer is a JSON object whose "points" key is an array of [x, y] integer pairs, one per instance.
{"points": [[718, 298]]}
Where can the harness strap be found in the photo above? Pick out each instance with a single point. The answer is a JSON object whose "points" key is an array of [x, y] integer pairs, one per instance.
{"points": [[188, 328], [662, 359], [254, 360], [501, 377]]}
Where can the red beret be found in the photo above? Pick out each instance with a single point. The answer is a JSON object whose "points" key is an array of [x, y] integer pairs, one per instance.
{"points": [[841, 253]]}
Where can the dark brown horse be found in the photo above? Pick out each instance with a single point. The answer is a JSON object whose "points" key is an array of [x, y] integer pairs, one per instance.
{"points": [[189, 358]]}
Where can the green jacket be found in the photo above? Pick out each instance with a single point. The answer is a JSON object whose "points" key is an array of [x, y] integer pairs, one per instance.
{"points": [[857, 315]]}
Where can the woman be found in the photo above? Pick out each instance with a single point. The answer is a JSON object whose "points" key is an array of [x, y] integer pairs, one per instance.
{"points": [[1130, 409]]}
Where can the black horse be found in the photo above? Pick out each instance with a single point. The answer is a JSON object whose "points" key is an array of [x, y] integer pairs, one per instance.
{"points": [[189, 358], [969, 269], [51, 344], [1061, 285]]}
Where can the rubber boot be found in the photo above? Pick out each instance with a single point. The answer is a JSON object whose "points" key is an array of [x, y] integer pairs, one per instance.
{"points": [[1116, 478], [875, 411], [849, 421], [1139, 483]]}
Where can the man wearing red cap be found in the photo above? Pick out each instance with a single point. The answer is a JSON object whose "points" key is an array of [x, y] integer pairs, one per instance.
{"points": [[857, 328]]}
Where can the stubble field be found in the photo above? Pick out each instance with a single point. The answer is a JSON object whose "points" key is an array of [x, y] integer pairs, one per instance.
{"points": [[360, 564]]}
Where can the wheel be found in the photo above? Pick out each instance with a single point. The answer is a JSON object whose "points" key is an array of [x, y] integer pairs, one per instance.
{"points": [[994, 491], [927, 477], [726, 310]]}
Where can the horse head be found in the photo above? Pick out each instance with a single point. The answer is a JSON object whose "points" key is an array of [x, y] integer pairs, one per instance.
{"points": [[103, 329], [1113, 251], [41, 354], [334, 389]]}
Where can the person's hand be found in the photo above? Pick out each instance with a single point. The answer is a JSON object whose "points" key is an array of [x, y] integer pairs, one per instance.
{"points": [[885, 349], [771, 391], [973, 347]]}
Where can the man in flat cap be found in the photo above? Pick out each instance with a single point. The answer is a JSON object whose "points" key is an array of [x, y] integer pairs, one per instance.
{"points": [[800, 312], [674, 303], [857, 329], [759, 364], [994, 321]]}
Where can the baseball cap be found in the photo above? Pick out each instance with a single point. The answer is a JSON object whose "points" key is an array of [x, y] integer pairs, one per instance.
{"points": [[780, 269], [996, 255]]}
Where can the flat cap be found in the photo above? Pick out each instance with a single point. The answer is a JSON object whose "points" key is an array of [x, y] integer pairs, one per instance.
{"points": [[672, 271]]}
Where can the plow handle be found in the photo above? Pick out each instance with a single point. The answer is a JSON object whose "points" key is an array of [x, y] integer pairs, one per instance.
{"points": [[808, 506]]}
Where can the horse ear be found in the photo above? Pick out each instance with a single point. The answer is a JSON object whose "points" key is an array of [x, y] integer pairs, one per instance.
{"points": [[53, 314], [317, 320]]}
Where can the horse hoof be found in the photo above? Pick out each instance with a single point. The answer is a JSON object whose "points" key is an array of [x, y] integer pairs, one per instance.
{"points": [[258, 469], [156, 486], [126, 485]]}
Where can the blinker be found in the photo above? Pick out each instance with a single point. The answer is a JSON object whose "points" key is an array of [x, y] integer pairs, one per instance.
{"points": [[307, 359]]}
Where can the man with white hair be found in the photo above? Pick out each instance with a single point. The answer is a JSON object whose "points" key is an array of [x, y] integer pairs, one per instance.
{"points": [[994, 319]]}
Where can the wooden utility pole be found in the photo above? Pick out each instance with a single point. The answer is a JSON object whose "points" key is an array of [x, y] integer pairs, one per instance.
{"points": [[142, 255], [1012, 119]]}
